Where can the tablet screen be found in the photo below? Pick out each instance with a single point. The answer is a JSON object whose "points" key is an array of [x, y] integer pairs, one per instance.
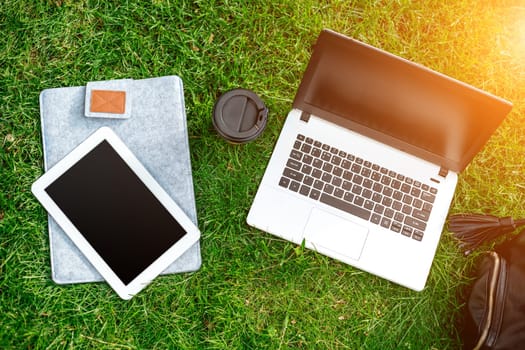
{"points": [[115, 212]]}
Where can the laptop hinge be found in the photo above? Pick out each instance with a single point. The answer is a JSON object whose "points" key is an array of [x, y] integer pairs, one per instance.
{"points": [[305, 116], [443, 172]]}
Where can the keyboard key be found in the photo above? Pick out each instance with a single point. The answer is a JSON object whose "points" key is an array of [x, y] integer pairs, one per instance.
{"points": [[421, 215], [317, 173], [406, 231], [305, 190], [345, 164], [308, 180], [294, 164], [418, 235], [415, 192], [328, 167], [326, 177], [306, 169], [427, 207], [397, 205], [405, 188], [345, 206], [386, 222], [315, 194], [294, 186], [318, 185], [366, 172], [292, 174], [337, 171], [326, 156], [339, 193], [400, 217], [328, 188], [387, 201], [417, 224], [427, 197], [307, 159], [336, 160], [396, 227], [389, 213], [347, 185], [376, 197], [284, 182], [356, 189], [296, 155], [336, 181], [306, 148], [379, 209]]}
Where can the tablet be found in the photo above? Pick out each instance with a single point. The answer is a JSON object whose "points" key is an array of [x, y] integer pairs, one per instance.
{"points": [[120, 218]]}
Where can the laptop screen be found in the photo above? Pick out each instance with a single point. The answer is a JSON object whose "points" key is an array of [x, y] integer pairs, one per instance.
{"points": [[398, 102]]}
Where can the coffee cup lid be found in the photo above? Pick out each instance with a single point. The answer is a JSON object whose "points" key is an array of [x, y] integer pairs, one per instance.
{"points": [[239, 115]]}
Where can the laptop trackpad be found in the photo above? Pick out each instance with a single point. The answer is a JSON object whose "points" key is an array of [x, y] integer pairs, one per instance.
{"points": [[335, 234]]}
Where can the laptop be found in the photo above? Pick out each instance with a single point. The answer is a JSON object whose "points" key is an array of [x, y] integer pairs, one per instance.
{"points": [[365, 167]]}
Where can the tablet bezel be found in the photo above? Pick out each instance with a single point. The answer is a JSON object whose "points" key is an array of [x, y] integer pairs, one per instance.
{"points": [[125, 291]]}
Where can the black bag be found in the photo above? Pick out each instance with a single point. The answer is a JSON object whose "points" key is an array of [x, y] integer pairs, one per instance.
{"points": [[495, 309]]}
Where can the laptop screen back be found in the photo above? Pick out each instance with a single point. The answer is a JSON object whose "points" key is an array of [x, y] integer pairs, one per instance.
{"points": [[398, 102]]}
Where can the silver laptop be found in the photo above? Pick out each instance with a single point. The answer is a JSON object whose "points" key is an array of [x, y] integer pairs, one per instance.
{"points": [[366, 164]]}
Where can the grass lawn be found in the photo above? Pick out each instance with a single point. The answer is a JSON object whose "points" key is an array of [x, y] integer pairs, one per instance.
{"points": [[253, 290]]}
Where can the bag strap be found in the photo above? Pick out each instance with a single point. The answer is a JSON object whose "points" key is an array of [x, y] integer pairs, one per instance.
{"points": [[472, 230]]}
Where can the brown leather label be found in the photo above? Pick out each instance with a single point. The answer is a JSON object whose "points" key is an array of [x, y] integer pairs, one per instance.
{"points": [[108, 101]]}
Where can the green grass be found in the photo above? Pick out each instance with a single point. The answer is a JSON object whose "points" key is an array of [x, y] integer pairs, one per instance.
{"points": [[253, 290]]}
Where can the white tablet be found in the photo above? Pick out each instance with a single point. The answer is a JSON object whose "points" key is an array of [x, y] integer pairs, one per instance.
{"points": [[121, 219]]}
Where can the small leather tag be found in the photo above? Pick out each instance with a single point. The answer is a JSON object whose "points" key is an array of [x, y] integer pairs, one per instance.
{"points": [[108, 101]]}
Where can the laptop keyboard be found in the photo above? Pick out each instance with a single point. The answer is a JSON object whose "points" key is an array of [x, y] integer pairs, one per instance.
{"points": [[359, 187]]}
